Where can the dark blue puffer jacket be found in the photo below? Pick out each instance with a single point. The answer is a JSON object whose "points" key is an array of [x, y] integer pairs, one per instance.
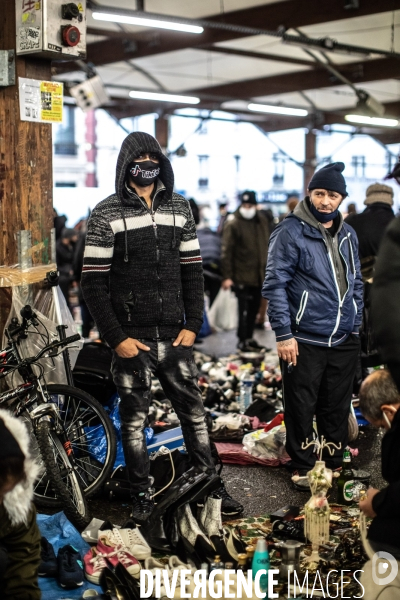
{"points": [[301, 282]]}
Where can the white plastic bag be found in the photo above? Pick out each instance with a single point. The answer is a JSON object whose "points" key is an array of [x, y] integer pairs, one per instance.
{"points": [[223, 314], [269, 444], [46, 332]]}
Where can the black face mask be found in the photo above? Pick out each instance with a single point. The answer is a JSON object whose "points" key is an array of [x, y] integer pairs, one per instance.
{"points": [[144, 173]]}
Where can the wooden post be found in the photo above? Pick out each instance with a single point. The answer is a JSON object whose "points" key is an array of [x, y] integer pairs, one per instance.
{"points": [[311, 158], [26, 178], [162, 131]]}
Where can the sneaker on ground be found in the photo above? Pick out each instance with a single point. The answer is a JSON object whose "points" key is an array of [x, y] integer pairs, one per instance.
{"points": [[118, 554], [134, 541], [70, 568], [94, 565], [142, 507], [229, 507], [48, 560], [256, 346]]}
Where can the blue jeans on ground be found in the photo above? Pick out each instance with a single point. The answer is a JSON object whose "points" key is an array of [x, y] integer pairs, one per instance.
{"points": [[177, 372]]}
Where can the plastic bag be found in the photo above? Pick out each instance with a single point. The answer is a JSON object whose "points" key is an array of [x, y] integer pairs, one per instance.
{"points": [[266, 445], [223, 314], [46, 332]]}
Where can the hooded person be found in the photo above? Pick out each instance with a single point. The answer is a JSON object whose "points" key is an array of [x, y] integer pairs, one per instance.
{"points": [[19, 533], [244, 255], [314, 287], [142, 280]]}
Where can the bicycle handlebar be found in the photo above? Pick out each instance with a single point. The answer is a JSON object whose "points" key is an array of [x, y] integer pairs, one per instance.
{"points": [[52, 346]]}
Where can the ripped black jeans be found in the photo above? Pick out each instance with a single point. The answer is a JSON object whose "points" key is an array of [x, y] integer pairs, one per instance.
{"points": [[177, 372]]}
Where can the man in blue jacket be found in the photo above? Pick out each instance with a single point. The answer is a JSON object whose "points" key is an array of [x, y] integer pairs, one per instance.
{"points": [[315, 292]]}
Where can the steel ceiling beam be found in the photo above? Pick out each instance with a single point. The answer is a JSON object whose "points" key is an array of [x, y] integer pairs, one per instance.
{"points": [[289, 14]]}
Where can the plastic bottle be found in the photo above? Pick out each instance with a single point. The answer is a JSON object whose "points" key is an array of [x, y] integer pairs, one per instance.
{"points": [[246, 392], [346, 481], [216, 563], [261, 561]]}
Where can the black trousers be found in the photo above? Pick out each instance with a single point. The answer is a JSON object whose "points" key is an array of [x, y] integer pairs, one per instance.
{"points": [[177, 373], [249, 298], [321, 384]]}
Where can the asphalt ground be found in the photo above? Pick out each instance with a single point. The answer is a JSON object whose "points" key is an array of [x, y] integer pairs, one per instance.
{"points": [[261, 490]]}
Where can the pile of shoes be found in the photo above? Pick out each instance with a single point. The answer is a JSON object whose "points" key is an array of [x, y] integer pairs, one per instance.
{"points": [[66, 567]]}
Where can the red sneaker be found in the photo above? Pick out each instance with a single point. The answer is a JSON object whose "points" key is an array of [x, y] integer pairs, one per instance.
{"points": [[94, 564], [117, 553]]}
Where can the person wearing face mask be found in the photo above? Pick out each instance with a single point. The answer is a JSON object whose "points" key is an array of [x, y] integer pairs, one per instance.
{"points": [[315, 292], [244, 255], [380, 404], [142, 280]]}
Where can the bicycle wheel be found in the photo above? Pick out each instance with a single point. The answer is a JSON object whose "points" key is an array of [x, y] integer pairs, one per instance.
{"points": [[62, 476], [92, 438]]}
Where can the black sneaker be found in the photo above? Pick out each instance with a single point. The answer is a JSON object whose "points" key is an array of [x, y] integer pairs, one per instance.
{"points": [[142, 507], [302, 485], [229, 506], [48, 561], [70, 568], [254, 345]]}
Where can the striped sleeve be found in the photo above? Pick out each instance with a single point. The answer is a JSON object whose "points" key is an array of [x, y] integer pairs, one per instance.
{"points": [[99, 248], [191, 275]]}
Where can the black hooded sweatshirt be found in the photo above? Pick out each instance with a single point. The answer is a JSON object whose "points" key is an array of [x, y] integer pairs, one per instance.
{"points": [[142, 273]]}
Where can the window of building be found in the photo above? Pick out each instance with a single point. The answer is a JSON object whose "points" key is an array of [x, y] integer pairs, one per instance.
{"points": [[64, 138], [358, 164]]}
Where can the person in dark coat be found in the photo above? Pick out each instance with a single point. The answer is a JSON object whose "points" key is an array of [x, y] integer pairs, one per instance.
{"points": [[210, 248], [65, 249], [380, 404], [370, 225], [19, 533], [244, 255], [314, 288], [385, 293]]}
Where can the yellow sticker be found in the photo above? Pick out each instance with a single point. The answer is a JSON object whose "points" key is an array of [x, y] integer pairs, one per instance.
{"points": [[37, 5], [80, 7]]}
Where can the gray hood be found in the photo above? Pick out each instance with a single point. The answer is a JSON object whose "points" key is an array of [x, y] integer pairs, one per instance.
{"points": [[303, 213]]}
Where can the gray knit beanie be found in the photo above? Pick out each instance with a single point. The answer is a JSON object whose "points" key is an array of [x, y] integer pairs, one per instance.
{"points": [[379, 192]]}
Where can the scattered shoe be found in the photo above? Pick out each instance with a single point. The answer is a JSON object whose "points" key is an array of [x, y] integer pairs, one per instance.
{"points": [[196, 544], [94, 565], [234, 543], [118, 554], [229, 507], [300, 480], [211, 522], [70, 568], [256, 346], [142, 507], [48, 560], [134, 541]]}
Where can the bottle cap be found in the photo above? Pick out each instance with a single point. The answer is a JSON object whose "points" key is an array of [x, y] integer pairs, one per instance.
{"points": [[250, 549], [228, 565], [217, 558], [242, 557], [261, 546]]}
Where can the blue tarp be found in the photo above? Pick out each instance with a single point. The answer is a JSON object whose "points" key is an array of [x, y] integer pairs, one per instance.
{"points": [[60, 532]]}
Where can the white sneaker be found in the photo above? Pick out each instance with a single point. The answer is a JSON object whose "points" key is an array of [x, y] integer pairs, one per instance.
{"points": [[134, 541]]}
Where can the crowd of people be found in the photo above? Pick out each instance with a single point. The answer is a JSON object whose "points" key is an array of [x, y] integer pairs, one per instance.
{"points": [[142, 262]]}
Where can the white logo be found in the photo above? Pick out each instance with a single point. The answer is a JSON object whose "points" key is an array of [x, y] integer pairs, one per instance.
{"points": [[145, 174], [383, 562]]}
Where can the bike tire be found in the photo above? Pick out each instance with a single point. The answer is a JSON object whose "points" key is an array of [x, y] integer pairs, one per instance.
{"points": [[62, 476], [85, 418]]}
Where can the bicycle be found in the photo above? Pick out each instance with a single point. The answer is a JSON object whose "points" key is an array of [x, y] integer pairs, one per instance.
{"points": [[75, 437]]}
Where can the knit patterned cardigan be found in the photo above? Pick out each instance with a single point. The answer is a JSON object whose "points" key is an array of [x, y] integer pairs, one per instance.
{"points": [[142, 273]]}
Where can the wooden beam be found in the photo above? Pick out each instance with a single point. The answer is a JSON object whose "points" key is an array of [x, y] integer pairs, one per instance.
{"points": [[356, 72], [25, 163], [259, 55], [289, 14]]}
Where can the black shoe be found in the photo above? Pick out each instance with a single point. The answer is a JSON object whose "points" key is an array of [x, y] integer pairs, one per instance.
{"points": [[70, 568], [48, 561], [142, 507], [113, 587], [229, 506], [303, 484], [256, 346]]}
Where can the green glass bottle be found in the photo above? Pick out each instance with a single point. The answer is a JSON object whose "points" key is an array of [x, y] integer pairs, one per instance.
{"points": [[346, 481]]}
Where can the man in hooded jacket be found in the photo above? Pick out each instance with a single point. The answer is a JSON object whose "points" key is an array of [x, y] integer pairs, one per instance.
{"points": [[315, 292], [142, 280]]}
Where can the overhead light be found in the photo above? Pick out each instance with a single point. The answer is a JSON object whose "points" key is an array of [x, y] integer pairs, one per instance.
{"points": [[146, 22], [164, 97], [278, 110], [377, 121]]}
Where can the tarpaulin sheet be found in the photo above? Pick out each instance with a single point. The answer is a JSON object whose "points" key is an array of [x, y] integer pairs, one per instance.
{"points": [[60, 532]]}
